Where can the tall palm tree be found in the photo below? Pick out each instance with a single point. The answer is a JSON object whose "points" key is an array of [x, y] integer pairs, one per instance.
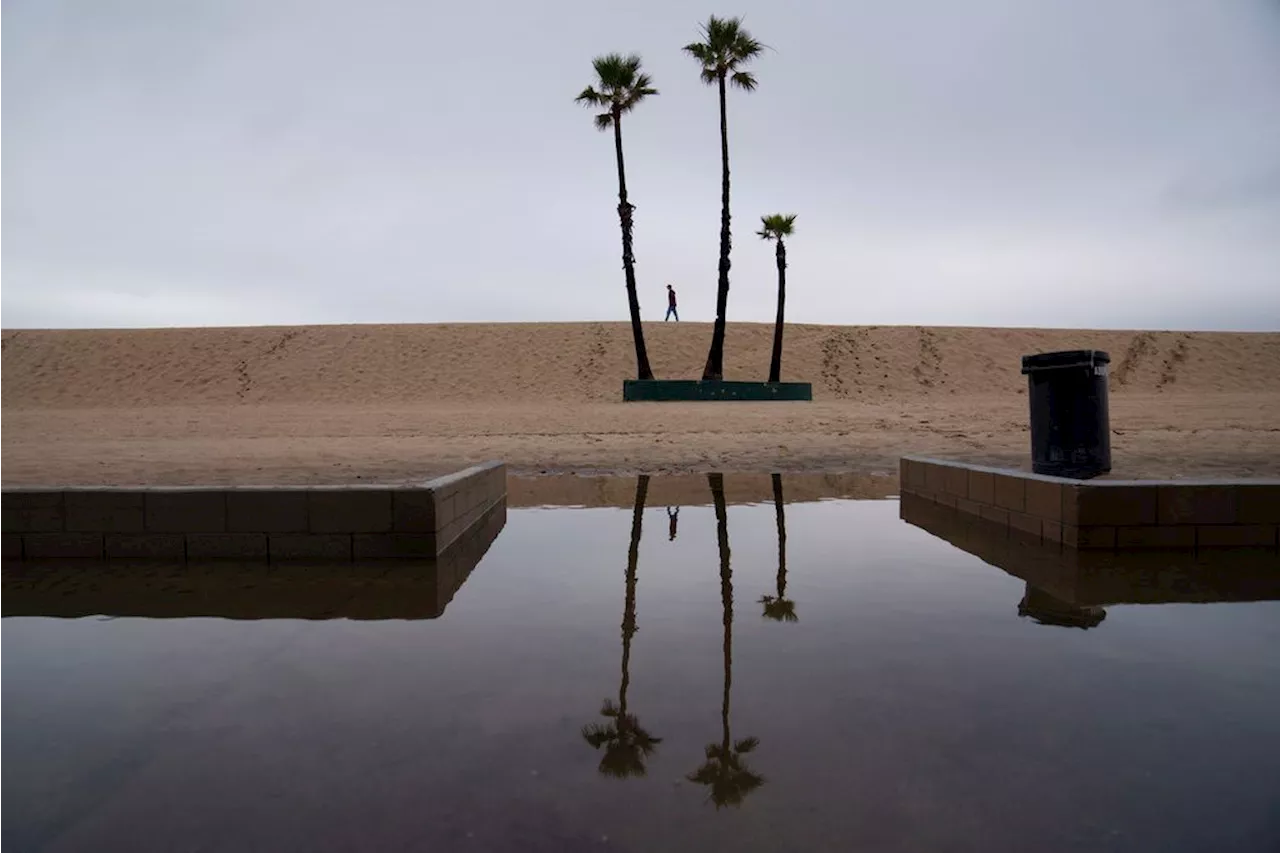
{"points": [[725, 48], [724, 772], [779, 608], [626, 744], [778, 226], [620, 86]]}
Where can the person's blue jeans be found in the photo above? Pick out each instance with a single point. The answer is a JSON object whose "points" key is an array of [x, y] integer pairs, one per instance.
{"points": [[671, 312]]}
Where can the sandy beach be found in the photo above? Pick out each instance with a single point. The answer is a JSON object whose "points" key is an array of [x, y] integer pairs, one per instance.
{"points": [[323, 404]]}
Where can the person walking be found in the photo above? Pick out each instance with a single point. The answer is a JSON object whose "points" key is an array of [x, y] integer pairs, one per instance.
{"points": [[671, 305]]}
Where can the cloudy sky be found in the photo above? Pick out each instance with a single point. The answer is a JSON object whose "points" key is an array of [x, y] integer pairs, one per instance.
{"points": [[1111, 163]]}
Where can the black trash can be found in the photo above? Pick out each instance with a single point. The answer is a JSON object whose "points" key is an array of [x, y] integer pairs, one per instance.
{"points": [[1070, 427]]}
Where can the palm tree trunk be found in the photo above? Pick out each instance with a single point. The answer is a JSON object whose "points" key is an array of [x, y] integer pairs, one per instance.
{"points": [[629, 608], [775, 363], [781, 515], [715, 358], [716, 482], [643, 370]]}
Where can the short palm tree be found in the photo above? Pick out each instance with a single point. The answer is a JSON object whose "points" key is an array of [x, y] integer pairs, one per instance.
{"points": [[779, 608], [724, 772], [778, 227], [620, 86], [726, 47], [626, 744]]}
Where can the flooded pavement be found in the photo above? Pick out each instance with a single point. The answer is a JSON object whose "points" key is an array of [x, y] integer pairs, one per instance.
{"points": [[686, 666]]}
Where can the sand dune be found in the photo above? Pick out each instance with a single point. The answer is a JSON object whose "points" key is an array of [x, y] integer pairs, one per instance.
{"points": [[581, 362], [393, 403]]}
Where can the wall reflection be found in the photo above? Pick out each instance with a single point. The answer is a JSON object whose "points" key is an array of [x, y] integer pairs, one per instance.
{"points": [[380, 589], [1067, 587]]}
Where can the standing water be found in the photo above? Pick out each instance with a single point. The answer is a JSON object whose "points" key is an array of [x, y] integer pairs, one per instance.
{"points": [[715, 675]]}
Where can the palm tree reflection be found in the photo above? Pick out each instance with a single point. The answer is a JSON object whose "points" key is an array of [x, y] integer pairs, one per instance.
{"points": [[778, 607], [626, 744], [724, 772]]}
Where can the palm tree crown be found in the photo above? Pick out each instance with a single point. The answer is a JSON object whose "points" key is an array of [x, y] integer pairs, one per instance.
{"points": [[727, 47], [775, 226], [620, 86]]}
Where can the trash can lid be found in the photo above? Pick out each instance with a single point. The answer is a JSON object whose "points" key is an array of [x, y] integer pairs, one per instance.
{"points": [[1067, 358]]}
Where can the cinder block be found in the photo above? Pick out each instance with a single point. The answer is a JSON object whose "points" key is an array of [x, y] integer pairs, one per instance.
{"points": [[12, 546], [1025, 523], [158, 546], [1197, 504], [1236, 535], [982, 487], [947, 500], [349, 511], [105, 511], [1044, 500], [956, 481], [32, 512], [38, 546], [994, 514], [1051, 531], [227, 546], [30, 498], [309, 546], [1156, 536], [414, 511], [935, 477], [967, 506], [175, 511], [1089, 537], [1116, 505], [1258, 504], [385, 546], [1011, 492], [267, 511]]}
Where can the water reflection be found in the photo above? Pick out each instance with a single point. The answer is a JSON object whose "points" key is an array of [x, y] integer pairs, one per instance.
{"points": [[911, 709], [778, 607], [626, 743], [725, 773], [1071, 588], [378, 589]]}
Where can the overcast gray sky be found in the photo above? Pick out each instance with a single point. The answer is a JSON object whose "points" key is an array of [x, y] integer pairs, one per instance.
{"points": [[1111, 163]]}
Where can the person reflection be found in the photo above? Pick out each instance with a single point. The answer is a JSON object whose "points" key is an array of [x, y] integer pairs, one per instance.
{"points": [[625, 742], [728, 778], [673, 518], [777, 607]]}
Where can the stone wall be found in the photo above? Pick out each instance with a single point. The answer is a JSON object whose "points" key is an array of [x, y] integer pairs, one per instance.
{"points": [[1104, 514], [259, 523]]}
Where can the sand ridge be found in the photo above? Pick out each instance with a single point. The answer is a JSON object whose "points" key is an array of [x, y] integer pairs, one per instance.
{"points": [[396, 403]]}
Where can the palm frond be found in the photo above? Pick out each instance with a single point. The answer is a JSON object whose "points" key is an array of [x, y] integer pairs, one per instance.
{"points": [[777, 225], [620, 85], [725, 47], [597, 735], [590, 97], [746, 744]]}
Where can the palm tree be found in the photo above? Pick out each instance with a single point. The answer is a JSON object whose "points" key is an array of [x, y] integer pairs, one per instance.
{"points": [[626, 744], [620, 86], [725, 48], [776, 226], [779, 608], [724, 772]]}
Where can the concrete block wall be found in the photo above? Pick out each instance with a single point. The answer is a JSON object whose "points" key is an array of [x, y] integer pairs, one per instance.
{"points": [[260, 523], [1104, 514]]}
